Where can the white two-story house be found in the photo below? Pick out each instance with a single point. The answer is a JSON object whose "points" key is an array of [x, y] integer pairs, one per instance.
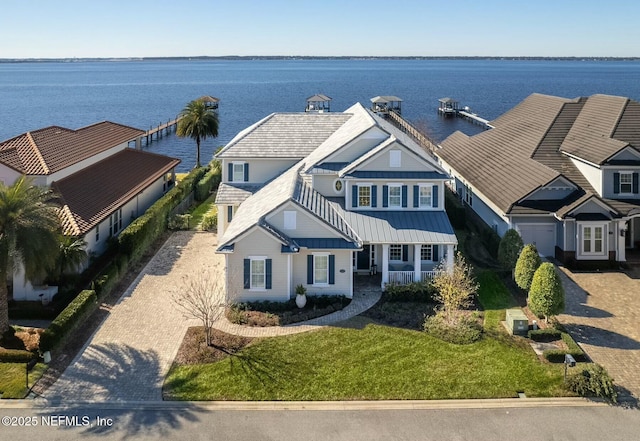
{"points": [[563, 172], [101, 183], [313, 198]]}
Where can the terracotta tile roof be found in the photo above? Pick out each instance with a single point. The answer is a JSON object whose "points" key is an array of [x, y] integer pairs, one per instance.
{"points": [[48, 150], [91, 195]]}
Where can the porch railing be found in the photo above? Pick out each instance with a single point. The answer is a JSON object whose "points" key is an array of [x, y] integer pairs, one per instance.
{"points": [[428, 275], [401, 277]]}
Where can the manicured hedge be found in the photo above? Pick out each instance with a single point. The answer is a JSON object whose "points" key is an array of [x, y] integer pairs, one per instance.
{"points": [[62, 325], [209, 182], [142, 232], [412, 292], [557, 355], [545, 335], [15, 356]]}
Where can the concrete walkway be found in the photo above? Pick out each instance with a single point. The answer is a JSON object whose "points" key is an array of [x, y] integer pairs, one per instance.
{"points": [[128, 357], [602, 313]]}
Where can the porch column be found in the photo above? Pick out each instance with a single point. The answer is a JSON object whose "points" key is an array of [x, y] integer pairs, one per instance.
{"points": [[621, 233], [385, 264], [450, 256], [417, 267], [289, 275]]}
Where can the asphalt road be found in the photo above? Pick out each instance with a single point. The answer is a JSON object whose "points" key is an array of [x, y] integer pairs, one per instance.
{"points": [[202, 422]]}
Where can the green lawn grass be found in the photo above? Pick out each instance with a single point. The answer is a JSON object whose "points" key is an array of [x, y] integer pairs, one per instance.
{"points": [[494, 297], [371, 363], [199, 211], [13, 379]]}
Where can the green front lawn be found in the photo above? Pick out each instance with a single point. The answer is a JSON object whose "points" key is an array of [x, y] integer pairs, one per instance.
{"points": [[13, 379], [373, 362]]}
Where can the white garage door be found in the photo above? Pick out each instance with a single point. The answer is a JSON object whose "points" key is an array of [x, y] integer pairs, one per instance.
{"points": [[543, 236]]}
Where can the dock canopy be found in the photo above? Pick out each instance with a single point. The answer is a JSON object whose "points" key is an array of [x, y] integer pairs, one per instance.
{"points": [[318, 103], [386, 103], [448, 106], [210, 101]]}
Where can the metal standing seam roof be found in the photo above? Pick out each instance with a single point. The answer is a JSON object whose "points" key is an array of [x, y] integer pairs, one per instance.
{"points": [[51, 149], [92, 194], [284, 135]]}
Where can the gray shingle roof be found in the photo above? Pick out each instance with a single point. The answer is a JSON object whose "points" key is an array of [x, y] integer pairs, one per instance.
{"points": [[235, 194], [284, 135]]}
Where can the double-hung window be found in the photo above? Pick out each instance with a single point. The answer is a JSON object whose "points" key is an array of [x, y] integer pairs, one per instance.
{"points": [[115, 222], [321, 269], [258, 273], [626, 182], [395, 196], [238, 172], [425, 196], [364, 196], [395, 252], [426, 253]]}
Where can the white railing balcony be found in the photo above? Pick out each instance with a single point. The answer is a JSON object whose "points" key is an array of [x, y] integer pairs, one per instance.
{"points": [[401, 277], [428, 275]]}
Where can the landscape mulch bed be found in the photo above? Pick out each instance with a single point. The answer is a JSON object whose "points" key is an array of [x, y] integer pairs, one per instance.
{"points": [[194, 348], [407, 315]]}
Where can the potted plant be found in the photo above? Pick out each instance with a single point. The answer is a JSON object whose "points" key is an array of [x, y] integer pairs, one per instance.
{"points": [[301, 296]]}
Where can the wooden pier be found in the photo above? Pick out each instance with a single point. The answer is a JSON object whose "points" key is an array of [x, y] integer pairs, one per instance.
{"points": [[429, 145], [160, 130], [449, 107]]}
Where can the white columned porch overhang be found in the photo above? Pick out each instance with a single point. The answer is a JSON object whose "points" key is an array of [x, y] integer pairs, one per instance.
{"points": [[417, 264], [385, 264]]}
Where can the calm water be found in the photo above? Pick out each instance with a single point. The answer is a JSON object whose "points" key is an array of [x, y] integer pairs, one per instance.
{"points": [[141, 94]]}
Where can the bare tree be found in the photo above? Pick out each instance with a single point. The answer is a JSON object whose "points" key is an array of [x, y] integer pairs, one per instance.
{"points": [[455, 289], [202, 297]]}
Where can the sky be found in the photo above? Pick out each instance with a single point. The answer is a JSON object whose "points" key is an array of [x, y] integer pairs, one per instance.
{"points": [[159, 28]]}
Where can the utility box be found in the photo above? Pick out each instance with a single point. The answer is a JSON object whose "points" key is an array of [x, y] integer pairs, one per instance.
{"points": [[517, 321]]}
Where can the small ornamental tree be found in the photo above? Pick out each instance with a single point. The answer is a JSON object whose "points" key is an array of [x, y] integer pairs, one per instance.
{"points": [[526, 266], [546, 296], [455, 289], [509, 249]]}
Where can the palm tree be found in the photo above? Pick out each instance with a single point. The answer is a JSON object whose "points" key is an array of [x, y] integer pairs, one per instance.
{"points": [[29, 226], [197, 121], [72, 253]]}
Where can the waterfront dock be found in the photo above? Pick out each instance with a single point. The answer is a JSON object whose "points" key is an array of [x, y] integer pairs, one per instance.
{"points": [[449, 107], [160, 130]]}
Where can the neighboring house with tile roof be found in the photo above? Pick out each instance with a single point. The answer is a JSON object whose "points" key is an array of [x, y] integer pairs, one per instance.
{"points": [[102, 185], [313, 198], [563, 172]]}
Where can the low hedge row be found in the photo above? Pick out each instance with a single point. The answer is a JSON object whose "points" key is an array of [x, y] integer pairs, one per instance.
{"points": [[413, 292], [557, 355], [209, 181], [15, 356], [142, 232], [62, 325], [545, 335]]}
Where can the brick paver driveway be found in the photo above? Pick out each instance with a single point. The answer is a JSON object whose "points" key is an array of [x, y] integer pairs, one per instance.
{"points": [[603, 315], [129, 355]]}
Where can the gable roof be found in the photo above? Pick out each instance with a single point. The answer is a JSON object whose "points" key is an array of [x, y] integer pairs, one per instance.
{"points": [[48, 150], [284, 135], [92, 194]]}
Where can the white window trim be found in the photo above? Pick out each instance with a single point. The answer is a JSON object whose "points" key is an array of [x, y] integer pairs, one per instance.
{"points": [[264, 260], [315, 260], [389, 187], [430, 187], [233, 169], [360, 186], [605, 244], [625, 193], [401, 256]]}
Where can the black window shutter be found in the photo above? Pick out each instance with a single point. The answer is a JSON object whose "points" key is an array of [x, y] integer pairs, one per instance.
{"points": [[434, 253], [405, 253], [404, 196], [332, 269], [246, 172], [416, 196], [230, 172], [354, 196], [310, 269], [267, 270], [434, 196], [385, 196], [635, 183], [616, 183], [247, 273], [374, 196]]}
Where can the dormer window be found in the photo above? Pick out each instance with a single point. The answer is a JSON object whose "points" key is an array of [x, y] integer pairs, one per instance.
{"points": [[626, 182]]}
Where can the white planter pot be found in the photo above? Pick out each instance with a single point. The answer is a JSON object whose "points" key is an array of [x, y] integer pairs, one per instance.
{"points": [[301, 300]]}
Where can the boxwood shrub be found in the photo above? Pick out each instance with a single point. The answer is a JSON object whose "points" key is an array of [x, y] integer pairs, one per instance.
{"points": [[557, 355], [62, 325], [412, 292], [545, 335], [15, 356]]}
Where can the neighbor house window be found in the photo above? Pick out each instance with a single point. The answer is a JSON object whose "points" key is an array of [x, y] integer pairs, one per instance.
{"points": [[258, 273], [364, 196], [593, 239], [238, 172], [425, 196], [395, 158], [395, 196], [426, 253], [115, 222], [626, 182], [468, 195], [98, 233], [321, 269], [395, 252]]}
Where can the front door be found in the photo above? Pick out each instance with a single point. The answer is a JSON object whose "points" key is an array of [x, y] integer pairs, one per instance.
{"points": [[363, 259]]}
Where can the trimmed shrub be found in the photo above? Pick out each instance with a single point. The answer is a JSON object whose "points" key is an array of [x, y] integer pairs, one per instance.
{"points": [[557, 355], [15, 356], [526, 266], [593, 381], [413, 292], [465, 330], [207, 184], [546, 296], [179, 222], [67, 320], [210, 221], [545, 335], [509, 249]]}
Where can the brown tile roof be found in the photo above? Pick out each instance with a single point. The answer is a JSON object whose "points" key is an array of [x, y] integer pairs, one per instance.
{"points": [[48, 150], [91, 195]]}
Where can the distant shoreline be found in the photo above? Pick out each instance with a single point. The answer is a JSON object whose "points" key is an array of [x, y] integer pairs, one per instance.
{"points": [[270, 57]]}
